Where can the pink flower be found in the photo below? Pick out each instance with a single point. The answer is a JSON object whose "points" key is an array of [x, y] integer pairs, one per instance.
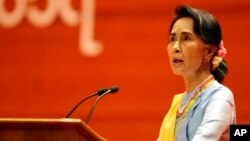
{"points": [[222, 50], [221, 54]]}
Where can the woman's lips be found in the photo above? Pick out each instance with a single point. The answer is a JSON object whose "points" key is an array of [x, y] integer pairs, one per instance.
{"points": [[177, 61]]}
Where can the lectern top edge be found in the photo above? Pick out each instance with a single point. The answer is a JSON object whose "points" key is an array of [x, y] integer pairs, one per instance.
{"points": [[26, 125], [34, 120]]}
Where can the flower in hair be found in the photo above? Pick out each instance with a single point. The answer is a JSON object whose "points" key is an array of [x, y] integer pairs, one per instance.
{"points": [[222, 50], [216, 61], [221, 54]]}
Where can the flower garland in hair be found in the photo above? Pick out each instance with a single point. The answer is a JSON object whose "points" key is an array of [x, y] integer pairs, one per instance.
{"points": [[221, 54]]}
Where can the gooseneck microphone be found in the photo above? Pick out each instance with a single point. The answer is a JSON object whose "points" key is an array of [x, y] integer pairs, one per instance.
{"points": [[112, 90], [99, 92]]}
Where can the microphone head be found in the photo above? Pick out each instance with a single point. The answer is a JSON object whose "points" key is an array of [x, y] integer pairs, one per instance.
{"points": [[114, 89], [101, 91]]}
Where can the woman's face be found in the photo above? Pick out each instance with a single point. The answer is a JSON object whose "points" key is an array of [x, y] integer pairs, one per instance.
{"points": [[185, 49]]}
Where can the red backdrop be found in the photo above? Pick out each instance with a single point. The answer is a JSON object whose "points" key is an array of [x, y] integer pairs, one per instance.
{"points": [[43, 74]]}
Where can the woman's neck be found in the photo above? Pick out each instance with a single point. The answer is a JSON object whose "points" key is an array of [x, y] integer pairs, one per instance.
{"points": [[192, 82]]}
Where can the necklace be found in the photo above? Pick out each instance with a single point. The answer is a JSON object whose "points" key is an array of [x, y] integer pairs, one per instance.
{"points": [[192, 96]]}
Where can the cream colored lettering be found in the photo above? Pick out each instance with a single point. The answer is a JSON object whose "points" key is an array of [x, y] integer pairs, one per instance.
{"points": [[68, 15], [85, 18], [10, 19], [88, 46], [42, 18]]}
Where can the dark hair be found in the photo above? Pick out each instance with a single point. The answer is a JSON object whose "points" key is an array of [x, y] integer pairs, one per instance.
{"points": [[207, 28]]}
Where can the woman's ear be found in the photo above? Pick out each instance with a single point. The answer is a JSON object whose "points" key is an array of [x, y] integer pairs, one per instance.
{"points": [[211, 51]]}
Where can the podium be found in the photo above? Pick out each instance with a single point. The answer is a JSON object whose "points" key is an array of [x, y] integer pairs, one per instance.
{"points": [[38, 129]]}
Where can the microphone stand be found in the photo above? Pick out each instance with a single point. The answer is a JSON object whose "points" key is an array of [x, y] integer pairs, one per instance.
{"points": [[101, 91], [94, 105]]}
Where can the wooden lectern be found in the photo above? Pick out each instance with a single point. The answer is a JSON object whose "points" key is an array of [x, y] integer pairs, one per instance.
{"points": [[36, 129]]}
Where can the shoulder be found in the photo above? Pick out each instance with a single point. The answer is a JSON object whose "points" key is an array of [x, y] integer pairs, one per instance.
{"points": [[221, 92]]}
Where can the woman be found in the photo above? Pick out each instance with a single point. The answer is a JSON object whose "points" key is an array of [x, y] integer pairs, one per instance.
{"points": [[196, 51]]}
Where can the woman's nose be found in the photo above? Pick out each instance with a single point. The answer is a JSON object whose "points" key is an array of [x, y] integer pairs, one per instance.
{"points": [[176, 47]]}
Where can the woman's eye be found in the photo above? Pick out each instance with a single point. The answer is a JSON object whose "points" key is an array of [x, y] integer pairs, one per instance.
{"points": [[186, 38], [171, 39]]}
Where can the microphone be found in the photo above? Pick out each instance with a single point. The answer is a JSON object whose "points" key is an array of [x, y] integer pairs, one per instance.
{"points": [[99, 92], [112, 90]]}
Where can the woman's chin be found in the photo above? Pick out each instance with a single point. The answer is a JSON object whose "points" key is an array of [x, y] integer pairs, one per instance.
{"points": [[177, 71]]}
